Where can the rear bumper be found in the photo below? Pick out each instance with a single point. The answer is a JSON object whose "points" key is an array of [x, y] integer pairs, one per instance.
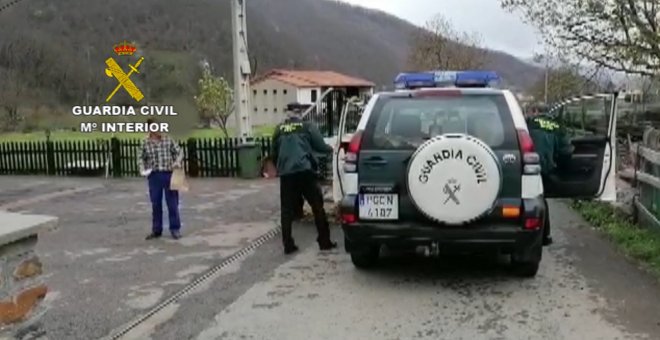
{"points": [[505, 236], [508, 236]]}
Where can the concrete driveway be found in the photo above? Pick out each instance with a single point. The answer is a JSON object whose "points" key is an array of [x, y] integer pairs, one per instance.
{"points": [[101, 270]]}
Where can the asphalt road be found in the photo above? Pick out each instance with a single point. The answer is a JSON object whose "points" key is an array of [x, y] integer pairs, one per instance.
{"points": [[585, 290], [103, 275]]}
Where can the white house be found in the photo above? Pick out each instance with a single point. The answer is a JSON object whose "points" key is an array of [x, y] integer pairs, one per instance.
{"points": [[272, 91]]}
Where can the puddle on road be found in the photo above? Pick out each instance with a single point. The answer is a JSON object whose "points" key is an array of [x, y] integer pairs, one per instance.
{"points": [[86, 252], [144, 298], [192, 270], [126, 256], [201, 255], [235, 235]]}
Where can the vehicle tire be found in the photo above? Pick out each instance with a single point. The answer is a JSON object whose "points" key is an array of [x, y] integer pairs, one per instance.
{"points": [[365, 258], [526, 269], [454, 178]]}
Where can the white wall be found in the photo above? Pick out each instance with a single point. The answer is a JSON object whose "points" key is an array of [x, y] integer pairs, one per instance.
{"points": [[268, 108], [305, 95]]}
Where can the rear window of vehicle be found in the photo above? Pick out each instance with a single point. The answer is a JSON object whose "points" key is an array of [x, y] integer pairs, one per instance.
{"points": [[406, 123]]}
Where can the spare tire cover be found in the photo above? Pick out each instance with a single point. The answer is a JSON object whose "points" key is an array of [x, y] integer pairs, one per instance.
{"points": [[454, 178]]}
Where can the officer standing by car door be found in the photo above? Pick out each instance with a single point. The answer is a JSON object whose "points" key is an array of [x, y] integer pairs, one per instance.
{"points": [[294, 144], [554, 149]]}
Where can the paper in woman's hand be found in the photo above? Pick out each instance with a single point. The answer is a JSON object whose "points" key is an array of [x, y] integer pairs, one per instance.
{"points": [[145, 172]]}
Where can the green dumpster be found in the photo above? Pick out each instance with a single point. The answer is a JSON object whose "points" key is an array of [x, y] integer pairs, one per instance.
{"points": [[249, 160]]}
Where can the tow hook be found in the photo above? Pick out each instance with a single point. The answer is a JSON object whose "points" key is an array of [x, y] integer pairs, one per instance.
{"points": [[428, 251], [435, 249]]}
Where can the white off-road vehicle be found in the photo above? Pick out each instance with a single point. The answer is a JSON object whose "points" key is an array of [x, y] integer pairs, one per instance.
{"points": [[446, 162]]}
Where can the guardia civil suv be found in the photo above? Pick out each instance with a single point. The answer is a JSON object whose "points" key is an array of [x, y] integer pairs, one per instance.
{"points": [[446, 162]]}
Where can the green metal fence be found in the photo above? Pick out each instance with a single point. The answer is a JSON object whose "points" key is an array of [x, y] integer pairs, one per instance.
{"points": [[212, 157], [209, 157]]}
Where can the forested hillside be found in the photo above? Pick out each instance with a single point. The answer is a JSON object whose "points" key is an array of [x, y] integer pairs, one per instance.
{"points": [[53, 52]]}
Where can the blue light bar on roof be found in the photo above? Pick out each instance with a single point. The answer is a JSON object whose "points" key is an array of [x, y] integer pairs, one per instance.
{"points": [[446, 79]]}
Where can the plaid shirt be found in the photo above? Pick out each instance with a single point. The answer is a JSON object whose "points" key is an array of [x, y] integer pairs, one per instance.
{"points": [[160, 155]]}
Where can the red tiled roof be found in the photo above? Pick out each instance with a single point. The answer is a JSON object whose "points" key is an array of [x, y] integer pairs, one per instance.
{"points": [[313, 78]]}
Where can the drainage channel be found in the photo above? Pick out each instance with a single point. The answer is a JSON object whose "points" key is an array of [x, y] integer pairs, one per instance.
{"points": [[208, 275]]}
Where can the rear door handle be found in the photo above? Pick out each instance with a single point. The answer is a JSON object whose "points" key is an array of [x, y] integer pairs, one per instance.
{"points": [[375, 161]]}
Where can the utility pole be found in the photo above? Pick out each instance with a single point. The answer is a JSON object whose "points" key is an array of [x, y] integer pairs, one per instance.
{"points": [[545, 92], [241, 70]]}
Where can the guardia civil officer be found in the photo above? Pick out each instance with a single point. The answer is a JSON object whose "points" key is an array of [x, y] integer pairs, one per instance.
{"points": [[553, 147], [294, 144]]}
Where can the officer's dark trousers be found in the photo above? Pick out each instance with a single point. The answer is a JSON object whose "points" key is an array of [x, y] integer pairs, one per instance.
{"points": [[299, 208], [292, 187]]}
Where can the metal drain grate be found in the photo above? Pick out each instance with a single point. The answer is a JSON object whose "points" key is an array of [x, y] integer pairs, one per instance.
{"points": [[209, 274]]}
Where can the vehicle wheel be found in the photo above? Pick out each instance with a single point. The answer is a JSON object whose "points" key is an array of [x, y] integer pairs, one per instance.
{"points": [[528, 264], [526, 269], [365, 258]]}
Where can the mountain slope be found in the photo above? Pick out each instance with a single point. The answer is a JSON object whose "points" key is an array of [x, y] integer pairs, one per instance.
{"points": [[70, 39]]}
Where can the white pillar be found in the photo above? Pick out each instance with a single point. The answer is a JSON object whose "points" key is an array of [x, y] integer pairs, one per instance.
{"points": [[241, 69]]}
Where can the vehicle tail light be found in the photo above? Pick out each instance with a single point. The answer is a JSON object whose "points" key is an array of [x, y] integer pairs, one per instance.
{"points": [[532, 223], [510, 212], [530, 159], [352, 151], [348, 218]]}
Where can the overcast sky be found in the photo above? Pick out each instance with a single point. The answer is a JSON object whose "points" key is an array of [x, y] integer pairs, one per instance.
{"points": [[499, 29]]}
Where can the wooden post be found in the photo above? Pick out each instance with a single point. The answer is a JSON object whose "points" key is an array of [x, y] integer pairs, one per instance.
{"points": [[193, 160], [115, 151]]}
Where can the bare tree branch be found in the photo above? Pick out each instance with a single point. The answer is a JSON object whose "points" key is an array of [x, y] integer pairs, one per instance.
{"points": [[621, 35], [439, 46]]}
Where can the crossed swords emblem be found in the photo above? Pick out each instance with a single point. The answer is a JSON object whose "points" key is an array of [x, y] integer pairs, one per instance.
{"points": [[451, 192], [114, 70]]}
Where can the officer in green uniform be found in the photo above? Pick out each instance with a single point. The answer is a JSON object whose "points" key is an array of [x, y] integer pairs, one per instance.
{"points": [[553, 147], [294, 143]]}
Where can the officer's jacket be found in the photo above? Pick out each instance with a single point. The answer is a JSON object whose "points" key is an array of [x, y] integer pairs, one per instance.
{"points": [[550, 141], [294, 144]]}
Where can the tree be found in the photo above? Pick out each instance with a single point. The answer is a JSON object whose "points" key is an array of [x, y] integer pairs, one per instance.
{"points": [[215, 101], [620, 35], [566, 80], [439, 46], [13, 91], [562, 83]]}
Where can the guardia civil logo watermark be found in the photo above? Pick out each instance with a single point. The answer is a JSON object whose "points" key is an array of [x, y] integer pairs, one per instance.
{"points": [[121, 75]]}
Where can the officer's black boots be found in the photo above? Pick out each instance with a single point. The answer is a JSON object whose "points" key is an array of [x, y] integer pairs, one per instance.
{"points": [[290, 249], [328, 246]]}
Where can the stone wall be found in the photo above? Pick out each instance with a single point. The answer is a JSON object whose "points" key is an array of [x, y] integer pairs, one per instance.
{"points": [[22, 284]]}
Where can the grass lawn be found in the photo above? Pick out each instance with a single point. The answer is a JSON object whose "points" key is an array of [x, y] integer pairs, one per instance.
{"points": [[259, 131], [636, 242]]}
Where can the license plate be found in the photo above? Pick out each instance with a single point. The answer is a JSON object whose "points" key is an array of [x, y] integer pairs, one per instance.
{"points": [[379, 206]]}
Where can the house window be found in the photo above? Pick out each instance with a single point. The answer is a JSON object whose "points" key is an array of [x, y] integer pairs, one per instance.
{"points": [[265, 91], [275, 110], [313, 96], [254, 92], [285, 91], [274, 92], [265, 109], [256, 109]]}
